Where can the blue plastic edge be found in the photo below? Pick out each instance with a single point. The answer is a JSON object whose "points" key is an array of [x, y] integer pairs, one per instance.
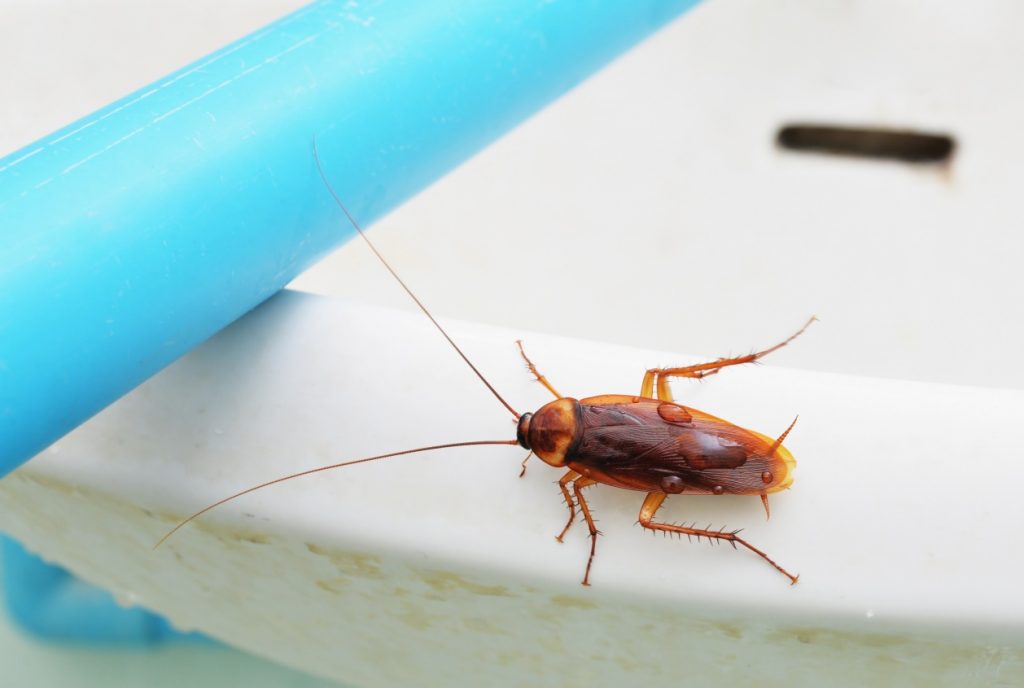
{"points": [[49, 603]]}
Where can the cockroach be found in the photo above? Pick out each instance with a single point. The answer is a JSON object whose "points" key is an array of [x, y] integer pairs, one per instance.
{"points": [[647, 442]]}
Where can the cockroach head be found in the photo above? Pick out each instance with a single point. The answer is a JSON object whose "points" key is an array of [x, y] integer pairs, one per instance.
{"points": [[523, 430], [553, 432]]}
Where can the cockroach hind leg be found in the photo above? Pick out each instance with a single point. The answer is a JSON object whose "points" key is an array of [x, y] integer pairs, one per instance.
{"points": [[653, 502], [767, 511]]}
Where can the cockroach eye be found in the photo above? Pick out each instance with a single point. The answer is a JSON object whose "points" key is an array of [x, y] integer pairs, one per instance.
{"points": [[767, 477], [672, 484]]}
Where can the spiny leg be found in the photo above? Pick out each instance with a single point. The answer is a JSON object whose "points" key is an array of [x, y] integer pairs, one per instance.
{"points": [[533, 369], [522, 466], [653, 502], [664, 393], [562, 485], [577, 488], [661, 376]]}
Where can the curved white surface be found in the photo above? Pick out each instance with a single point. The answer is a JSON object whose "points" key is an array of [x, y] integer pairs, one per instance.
{"points": [[427, 569]]}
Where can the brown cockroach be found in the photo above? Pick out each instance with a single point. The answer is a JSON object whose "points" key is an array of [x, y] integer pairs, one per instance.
{"points": [[646, 442]]}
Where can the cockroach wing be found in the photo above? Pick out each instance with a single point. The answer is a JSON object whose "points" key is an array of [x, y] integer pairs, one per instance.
{"points": [[656, 446]]}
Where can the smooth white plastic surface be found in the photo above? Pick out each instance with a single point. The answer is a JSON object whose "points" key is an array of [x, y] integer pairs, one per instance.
{"points": [[427, 569], [652, 208]]}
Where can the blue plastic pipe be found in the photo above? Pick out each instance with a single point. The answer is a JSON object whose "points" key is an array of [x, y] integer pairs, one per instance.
{"points": [[136, 233], [50, 603]]}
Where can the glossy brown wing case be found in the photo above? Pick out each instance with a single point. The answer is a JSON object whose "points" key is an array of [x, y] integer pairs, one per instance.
{"points": [[649, 445]]}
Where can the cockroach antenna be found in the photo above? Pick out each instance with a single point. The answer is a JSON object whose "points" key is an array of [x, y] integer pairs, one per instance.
{"points": [[644, 442], [352, 220], [321, 469]]}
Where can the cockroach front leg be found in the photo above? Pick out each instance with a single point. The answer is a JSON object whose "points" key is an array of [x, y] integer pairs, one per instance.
{"points": [[533, 369], [522, 466], [653, 502], [660, 376], [577, 488], [563, 486]]}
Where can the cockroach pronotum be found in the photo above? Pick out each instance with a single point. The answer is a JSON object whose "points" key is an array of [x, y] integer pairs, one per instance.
{"points": [[645, 442]]}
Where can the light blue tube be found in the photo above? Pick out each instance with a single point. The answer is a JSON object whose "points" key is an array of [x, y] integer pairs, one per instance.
{"points": [[50, 603], [138, 232]]}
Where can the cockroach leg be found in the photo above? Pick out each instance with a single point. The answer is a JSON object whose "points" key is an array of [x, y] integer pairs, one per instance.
{"points": [[533, 369], [523, 465], [562, 485], [647, 386], [767, 511], [660, 376], [653, 502], [664, 393], [577, 488]]}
